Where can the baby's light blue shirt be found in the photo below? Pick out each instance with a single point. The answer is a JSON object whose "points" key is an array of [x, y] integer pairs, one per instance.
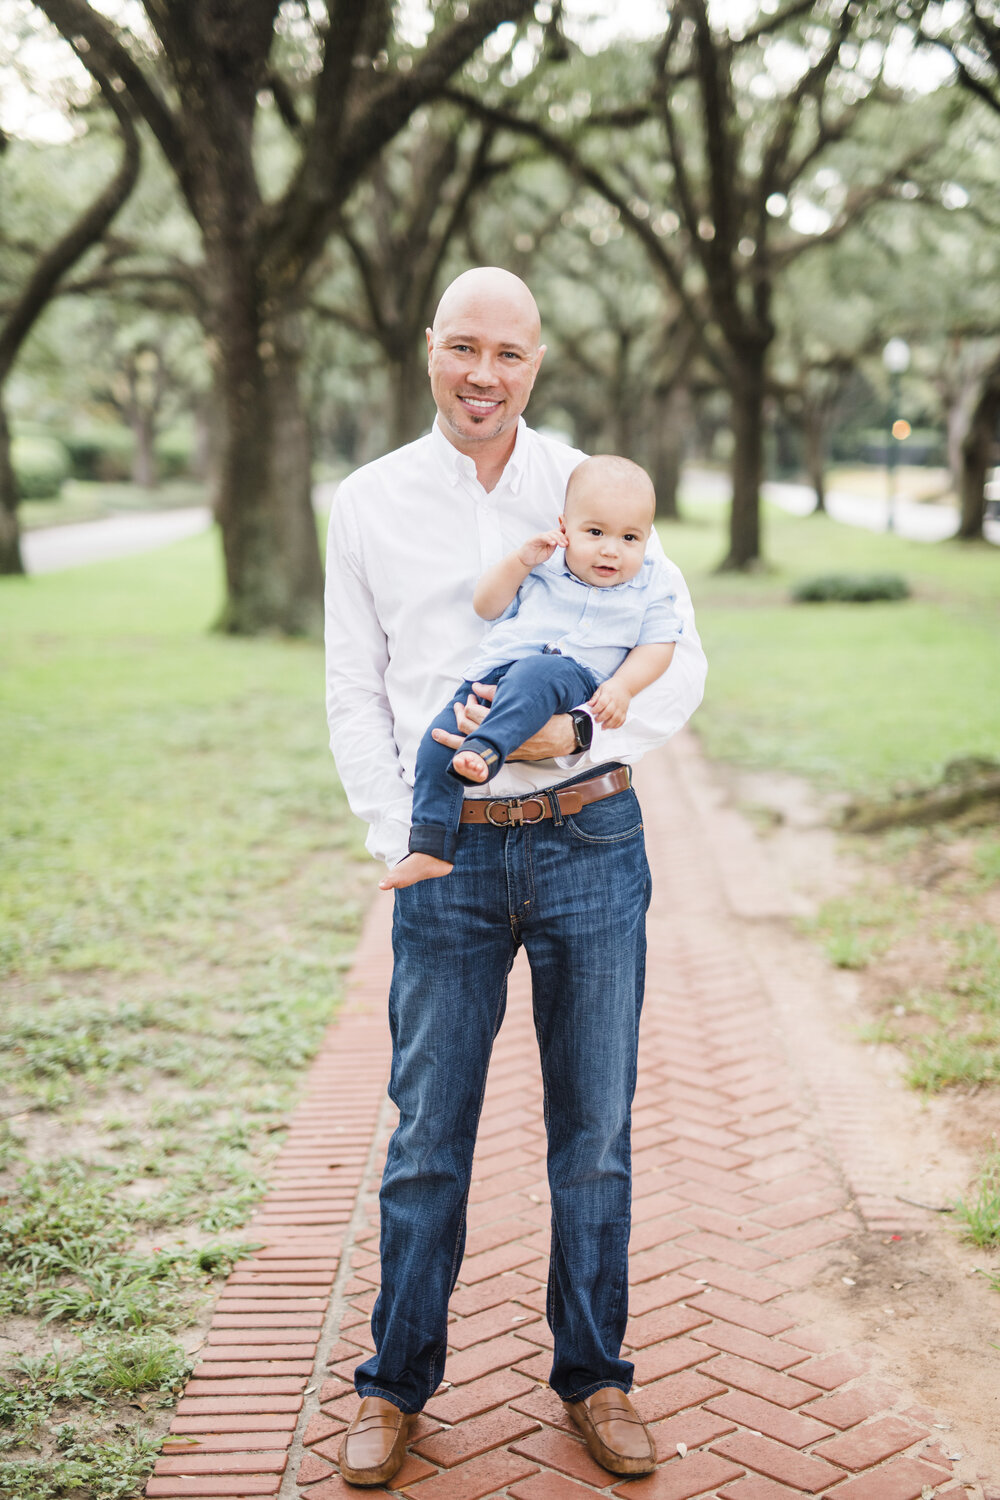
{"points": [[596, 627]]}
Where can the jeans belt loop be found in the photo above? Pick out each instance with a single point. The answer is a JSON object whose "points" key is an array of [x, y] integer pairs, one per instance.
{"points": [[557, 817]]}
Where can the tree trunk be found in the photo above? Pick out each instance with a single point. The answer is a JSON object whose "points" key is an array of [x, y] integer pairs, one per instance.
{"points": [[408, 397], [11, 560], [978, 455], [747, 416], [814, 445], [143, 427], [264, 501], [205, 454], [670, 430], [955, 426], [623, 405]]}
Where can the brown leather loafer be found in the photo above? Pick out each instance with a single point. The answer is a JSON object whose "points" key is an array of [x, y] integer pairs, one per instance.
{"points": [[374, 1445], [615, 1433]]}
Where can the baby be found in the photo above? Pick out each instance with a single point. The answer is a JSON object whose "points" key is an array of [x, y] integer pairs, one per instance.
{"points": [[594, 625]]}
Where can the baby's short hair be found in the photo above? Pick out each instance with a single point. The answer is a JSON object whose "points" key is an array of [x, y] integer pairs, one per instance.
{"points": [[614, 472]]}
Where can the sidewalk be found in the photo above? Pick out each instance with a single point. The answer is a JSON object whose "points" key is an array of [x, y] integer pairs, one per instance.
{"points": [[52, 548], [916, 520], [758, 1157]]}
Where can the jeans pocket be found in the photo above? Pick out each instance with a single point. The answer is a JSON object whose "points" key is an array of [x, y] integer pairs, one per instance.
{"points": [[610, 821]]}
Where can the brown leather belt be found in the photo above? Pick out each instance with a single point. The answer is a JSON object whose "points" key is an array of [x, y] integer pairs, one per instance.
{"points": [[510, 812]]}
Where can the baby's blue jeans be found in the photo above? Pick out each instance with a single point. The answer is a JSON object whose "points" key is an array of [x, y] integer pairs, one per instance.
{"points": [[529, 692]]}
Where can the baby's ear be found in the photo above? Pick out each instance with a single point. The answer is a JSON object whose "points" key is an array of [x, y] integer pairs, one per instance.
{"points": [[562, 524]]}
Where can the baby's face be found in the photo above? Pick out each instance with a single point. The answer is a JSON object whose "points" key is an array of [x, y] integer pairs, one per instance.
{"points": [[606, 529]]}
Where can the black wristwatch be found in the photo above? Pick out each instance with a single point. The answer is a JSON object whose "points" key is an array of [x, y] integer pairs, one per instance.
{"points": [[583, 729]]}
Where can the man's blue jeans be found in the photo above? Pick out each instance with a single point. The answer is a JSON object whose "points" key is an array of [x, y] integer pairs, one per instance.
{"points": [[574, 890], [529, 692]]}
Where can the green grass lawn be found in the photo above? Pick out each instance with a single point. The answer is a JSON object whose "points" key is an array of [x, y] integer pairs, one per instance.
{"points": [[867, 698], [859, 697], [181, 887]]}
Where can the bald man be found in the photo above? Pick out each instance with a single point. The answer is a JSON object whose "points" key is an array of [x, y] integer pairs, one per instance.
{"points": [[550, 857]]}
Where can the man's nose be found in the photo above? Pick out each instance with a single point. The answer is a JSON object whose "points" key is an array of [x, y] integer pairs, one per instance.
{"points": [[482, 371]]}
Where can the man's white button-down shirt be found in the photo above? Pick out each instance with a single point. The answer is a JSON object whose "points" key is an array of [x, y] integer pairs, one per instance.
{"points": [[410, 535]]}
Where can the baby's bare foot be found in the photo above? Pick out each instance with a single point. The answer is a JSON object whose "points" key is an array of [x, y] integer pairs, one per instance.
{"points": [[413, 868], [470, 765]]}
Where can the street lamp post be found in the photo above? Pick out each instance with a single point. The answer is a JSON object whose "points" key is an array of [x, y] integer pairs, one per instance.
{"points": [[896, 358]]}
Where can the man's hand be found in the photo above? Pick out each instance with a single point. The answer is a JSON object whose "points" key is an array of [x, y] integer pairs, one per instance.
{"points": [[538, 549], [554, 738], [609, 705]]}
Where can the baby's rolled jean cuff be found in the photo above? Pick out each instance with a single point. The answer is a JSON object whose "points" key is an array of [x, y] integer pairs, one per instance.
{"points": [[486, 751], [435, 839]]}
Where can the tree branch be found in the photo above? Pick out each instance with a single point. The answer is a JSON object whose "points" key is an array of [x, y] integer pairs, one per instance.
{"points": [[86, 231], [585, 172], [284, 100], [110, 279], [106, 56], [813, 81], [343, 142], [856, 206], [775, 22]]}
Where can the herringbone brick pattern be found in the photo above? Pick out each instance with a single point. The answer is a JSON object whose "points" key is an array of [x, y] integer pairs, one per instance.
{"points": [[739, 1197]]}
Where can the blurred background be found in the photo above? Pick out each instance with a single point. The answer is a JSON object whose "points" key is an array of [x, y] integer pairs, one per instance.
{"points": [[765, 240]]}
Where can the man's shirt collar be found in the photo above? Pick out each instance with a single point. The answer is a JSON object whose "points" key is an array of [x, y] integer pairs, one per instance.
{"points": [[459, 466]]}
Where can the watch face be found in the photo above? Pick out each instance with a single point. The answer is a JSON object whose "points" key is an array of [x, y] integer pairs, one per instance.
{"points": [[583, 729]]}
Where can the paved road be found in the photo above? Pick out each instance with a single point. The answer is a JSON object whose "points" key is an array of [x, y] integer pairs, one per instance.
{"points": [[55, 547], [761, 1150], [918, 522]]}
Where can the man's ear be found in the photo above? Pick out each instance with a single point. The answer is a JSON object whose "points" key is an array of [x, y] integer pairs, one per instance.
{"points": [[540, 356], [429, 332]]}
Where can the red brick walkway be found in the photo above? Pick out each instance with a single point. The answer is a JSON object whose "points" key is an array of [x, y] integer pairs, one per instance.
{"points": [[742, 1185]]}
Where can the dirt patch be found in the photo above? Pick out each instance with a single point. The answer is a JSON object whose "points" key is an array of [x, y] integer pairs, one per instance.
{"points": [[914, 1293], [920, 1308]]}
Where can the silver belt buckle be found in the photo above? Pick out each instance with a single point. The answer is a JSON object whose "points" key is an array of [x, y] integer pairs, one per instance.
{"points": [[514, 808]]}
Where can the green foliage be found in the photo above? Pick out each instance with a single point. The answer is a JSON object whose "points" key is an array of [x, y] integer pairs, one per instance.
{"points": [[41, 464], [859, 699], [174, 450], [101, 452], [954, 1038], [112, 1468], [850, 588], [980, 1214], [868, 700], [180, 888], [944, 1061], [987, 863], [977, 966], [133, 1364], [856, 929]]}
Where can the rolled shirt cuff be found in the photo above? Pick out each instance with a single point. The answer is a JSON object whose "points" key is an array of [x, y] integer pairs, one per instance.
{"points": [[389, 840]]}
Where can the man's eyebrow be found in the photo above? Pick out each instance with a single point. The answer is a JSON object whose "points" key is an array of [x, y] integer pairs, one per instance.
{"points": [[471, 338]]}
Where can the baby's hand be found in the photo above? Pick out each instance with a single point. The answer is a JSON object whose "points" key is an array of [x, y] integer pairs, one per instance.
{"points": [[609, 705], [538, 549]]}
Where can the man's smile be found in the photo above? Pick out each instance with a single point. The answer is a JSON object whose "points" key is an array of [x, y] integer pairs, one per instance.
{"points": [[480, 403]]}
